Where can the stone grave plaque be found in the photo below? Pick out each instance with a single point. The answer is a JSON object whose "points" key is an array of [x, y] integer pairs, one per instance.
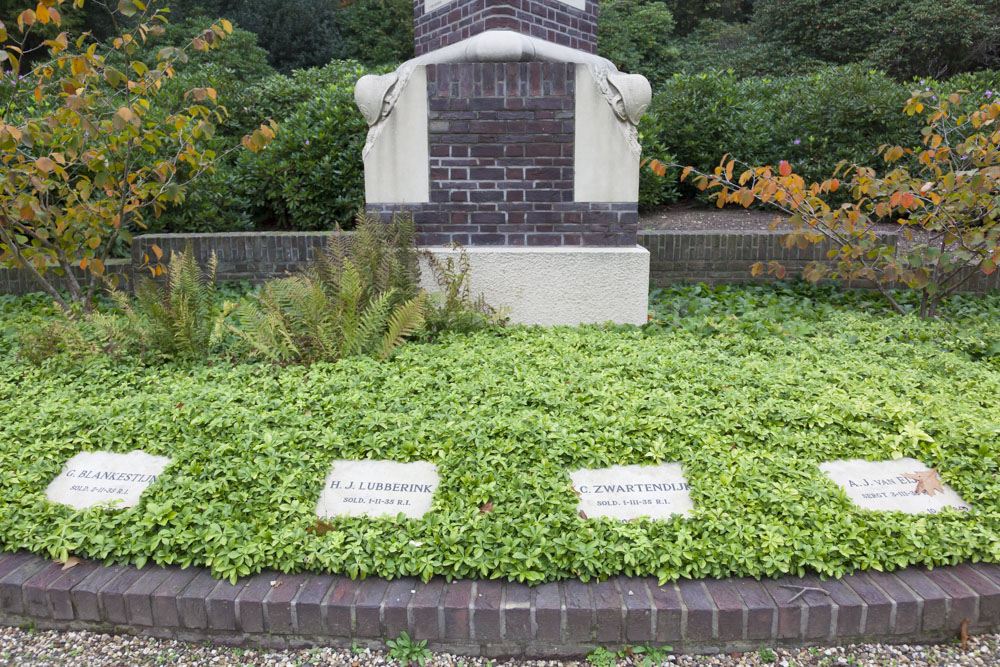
{"points": [[95, 478], [629, 492], [377, 488], [893, 486]]}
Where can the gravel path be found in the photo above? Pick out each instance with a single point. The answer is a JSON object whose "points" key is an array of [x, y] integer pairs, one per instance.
{"points": [[87, 649]]}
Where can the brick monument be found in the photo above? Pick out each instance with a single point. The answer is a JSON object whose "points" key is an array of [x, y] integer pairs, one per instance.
{"points": [[508, 135]]}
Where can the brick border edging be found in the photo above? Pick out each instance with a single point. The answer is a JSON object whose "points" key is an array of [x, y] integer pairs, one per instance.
{"points": [[499, 619]]}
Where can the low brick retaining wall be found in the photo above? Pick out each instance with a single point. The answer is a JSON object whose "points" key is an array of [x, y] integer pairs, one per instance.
{"points": [[499, 619], [675, 256]]}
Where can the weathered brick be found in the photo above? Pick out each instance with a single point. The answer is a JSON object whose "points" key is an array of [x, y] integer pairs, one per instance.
{"points": [[138, 598], [11, 593], [729, 604], [84, 595], [395, 606], [761, 610], [609, 612], [906, 605], [192, 610], [638, 609], [579, 611], [548, 612], [278, 603], [339, 607], [789, 613], [250, 601], [457, 597], [35, 591], [516, 612], [367, 608], [60, 590], [164, 598], [425, 607], [220, 605], [309, 605]]}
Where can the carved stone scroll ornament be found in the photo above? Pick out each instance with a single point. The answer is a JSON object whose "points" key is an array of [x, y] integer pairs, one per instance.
{"points": [[628, 94], [376, 95]]}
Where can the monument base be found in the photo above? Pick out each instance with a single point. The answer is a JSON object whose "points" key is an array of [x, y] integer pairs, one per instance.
{"points": [[555, 285]]}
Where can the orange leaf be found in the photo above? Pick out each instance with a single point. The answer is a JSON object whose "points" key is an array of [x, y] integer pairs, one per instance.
{"points": [[97, 267], [784, 168], [157, 252], [72, 561]]}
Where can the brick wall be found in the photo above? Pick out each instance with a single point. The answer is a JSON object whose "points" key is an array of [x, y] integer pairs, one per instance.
{"points": [[501, 161], [675, 257], [15, 281], [550, 20]]}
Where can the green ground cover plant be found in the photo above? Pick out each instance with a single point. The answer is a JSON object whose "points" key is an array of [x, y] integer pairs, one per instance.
{"points": [[750, 389]]}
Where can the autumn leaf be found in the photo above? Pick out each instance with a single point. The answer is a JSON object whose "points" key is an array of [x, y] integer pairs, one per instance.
{"points": [[927, 482], [321, 528], [486, 508], [72, 561], [784, 168], [582, 514]]}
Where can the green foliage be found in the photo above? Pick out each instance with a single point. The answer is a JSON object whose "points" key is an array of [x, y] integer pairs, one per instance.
{"points": [[453, 308], [748, 388], [602, 657], [173, 320], [938, 38], [634, 36], [312, 176], [74, 186], [690, 15], [406, 650], [378, 32], [357, 297], [739, 48], [910, 38], [767, 655], [811, 121], [947, 188]]}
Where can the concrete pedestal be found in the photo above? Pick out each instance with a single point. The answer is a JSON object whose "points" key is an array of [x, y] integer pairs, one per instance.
{"points": [[556, 285]]}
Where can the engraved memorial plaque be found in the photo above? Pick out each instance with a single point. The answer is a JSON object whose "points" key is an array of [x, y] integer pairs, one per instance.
{"points": [[629, 492], [95, 478], [378, 488], [903, 485]]}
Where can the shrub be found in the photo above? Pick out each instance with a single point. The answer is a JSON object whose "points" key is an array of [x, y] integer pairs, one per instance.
{"points": [[454, 308], [837, 31], [690, 15], [347, 302], [175, 319], [904, 37], [939, 37], [312, 176], [378, 32], [739, 49], [950, 193], [634, 35], [72, 187], [812, 121]]}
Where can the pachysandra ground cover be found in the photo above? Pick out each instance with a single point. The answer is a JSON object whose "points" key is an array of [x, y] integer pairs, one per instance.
{"points": [[748, 407]]}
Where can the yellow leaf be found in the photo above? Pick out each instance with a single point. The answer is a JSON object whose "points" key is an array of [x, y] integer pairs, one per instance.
{"points": [[27, 17], [157, 252], [97, 267], [42, 14], [685, 172], [729, 170], [227, 26], [93, 242], [72, 561], [45, 164]]}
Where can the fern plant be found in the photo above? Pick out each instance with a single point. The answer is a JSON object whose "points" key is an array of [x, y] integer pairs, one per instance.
{"points": [[303, 318], [175, 319], [454, 308], [357, 297]]}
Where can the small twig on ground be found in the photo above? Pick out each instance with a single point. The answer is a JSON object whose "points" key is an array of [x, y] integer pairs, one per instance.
{"points": [[803, 590]]}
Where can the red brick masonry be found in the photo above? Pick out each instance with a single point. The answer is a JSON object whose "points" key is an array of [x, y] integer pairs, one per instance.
{"points": [[550, 20], [495, 618], [501, 162]]}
